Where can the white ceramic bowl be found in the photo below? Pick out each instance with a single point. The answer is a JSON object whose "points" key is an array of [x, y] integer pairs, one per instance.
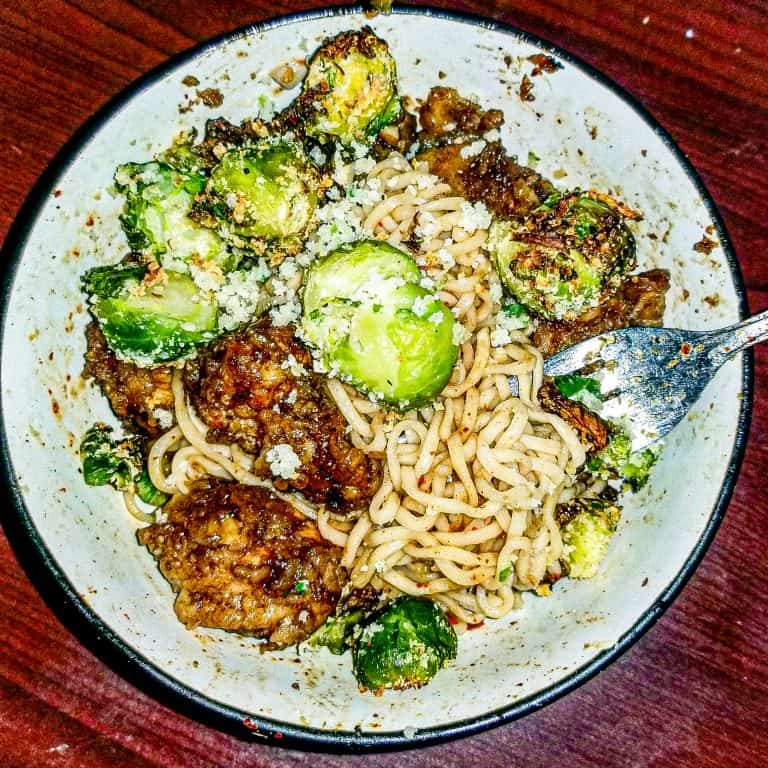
{"points": [[79, 545]]}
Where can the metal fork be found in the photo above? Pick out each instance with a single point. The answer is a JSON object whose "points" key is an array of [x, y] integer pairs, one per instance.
{"points": [[650, 377]]}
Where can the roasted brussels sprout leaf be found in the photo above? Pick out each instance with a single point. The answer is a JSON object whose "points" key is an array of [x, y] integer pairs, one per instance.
{"points": [[118, 463], [404, 646], [336, 633], [146, 490], [108, 462], [350, 91], [586, 526], [183, 156], [375, 327], [562, 258], [150, 322], [617, 460], [156, 216], [261, 194]]}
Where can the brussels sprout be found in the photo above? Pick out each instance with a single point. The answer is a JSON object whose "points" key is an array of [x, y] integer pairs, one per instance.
{"points": [[618, 460], [118, 463], [261, 194], [350, 91], [559, 260], [586, 526], [403, 647], [156, 216], [376, 327], [336, 633], [148, 322]]}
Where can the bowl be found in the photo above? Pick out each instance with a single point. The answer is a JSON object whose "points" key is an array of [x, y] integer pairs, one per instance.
{"points": [[78, 544]]}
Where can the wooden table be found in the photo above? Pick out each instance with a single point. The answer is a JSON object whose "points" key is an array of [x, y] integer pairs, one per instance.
{"points": [[694, 691]]}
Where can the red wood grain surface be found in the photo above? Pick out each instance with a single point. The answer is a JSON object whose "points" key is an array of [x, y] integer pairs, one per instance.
{"points": [[694, 691]]}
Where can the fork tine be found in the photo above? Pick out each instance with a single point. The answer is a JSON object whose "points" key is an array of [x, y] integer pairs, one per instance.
{"points": [[574, 358], [607, 347]]}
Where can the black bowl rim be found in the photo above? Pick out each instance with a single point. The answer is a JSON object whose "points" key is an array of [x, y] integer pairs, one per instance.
{"points": [[64, 600]]}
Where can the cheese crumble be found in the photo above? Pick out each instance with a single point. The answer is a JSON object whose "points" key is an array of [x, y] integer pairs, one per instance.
{"points": [[283, 461]]}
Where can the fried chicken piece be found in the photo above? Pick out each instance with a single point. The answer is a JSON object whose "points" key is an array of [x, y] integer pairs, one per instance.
{"points": [[592, 430], [640, 300], [242, 560], [445, 114], [491, 176], [140, 397], [509, 190], [255, 387]]}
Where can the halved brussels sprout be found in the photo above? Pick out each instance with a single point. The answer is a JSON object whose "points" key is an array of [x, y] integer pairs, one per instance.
{"points": [[559, 260], [350, 91], [262, 194], [156, 216], [150, 323], [403, 647], [376, 327], [586, 526]]}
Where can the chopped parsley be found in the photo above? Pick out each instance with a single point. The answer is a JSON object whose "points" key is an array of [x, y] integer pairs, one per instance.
{"points": [[582, 389], [514, 309]]}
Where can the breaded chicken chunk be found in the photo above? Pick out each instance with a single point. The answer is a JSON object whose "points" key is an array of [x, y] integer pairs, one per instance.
{"points": [[140, 397], [255, 387], [242, 560]]}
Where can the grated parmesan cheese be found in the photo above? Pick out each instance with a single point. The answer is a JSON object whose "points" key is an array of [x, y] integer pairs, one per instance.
{"points": [[460, 334], [501, 335], [283, 461], [473, 149], [241, 296], [421, 305], [287, 313], [295, 367], [474, 216]]}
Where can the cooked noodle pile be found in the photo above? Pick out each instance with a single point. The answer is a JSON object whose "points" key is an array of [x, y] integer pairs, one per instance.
{"points": [[465, 512]]}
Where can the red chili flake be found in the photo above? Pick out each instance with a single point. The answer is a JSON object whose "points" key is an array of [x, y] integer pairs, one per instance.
{"points": [[452, 619], [278, 735], [685, 349]]}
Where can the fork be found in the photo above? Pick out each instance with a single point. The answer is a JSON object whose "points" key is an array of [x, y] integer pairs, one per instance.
{"points": [[650, 377]]}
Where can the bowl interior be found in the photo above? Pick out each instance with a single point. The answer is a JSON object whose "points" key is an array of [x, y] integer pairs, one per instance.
{"points": [[585, 135]]}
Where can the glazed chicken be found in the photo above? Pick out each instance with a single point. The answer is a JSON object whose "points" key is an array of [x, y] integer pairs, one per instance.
{"points": [[140, 397], [242, 560], [482, 172], [255, 387]]}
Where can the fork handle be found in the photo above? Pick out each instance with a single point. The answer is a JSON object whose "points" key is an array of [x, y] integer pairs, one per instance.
{"points": [[727, 342]]}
